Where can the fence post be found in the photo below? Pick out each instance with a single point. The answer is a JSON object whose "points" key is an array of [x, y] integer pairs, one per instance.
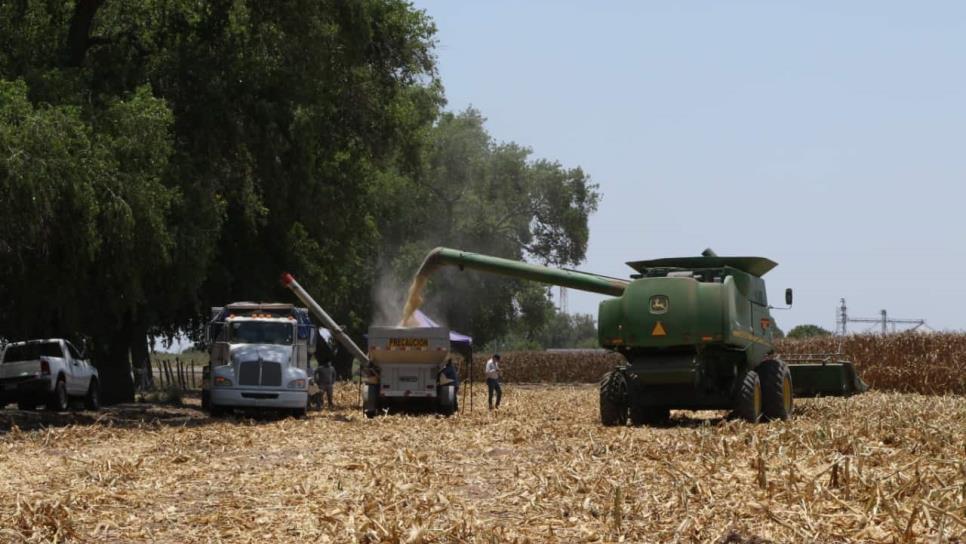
{"points": [[168, 371]]}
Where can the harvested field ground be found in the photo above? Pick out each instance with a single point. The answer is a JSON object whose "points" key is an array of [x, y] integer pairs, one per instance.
{"points": [[880, 467]]}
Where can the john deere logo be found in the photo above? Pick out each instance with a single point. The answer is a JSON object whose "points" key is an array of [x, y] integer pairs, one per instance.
{"points": [[659, 304]]}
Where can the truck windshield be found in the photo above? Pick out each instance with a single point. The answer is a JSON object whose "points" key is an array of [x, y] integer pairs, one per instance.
{"points": [[255, 332], [32, 352]]}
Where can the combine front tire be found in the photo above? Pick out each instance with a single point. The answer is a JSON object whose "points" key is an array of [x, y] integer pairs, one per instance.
{"points": [[748, 404], [776, 389], [613, 399]]}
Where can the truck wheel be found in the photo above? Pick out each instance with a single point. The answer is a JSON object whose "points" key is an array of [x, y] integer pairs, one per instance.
{"points": [[613, 399], [92, 401], [26, 405], [371, 407], [205, 400], [59, 401], [776, 389], [650, 415], [446, 400], [748, 404], [217, 411]]}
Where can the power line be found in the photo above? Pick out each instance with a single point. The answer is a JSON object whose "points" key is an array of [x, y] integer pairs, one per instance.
{"points": [[842, 320]]}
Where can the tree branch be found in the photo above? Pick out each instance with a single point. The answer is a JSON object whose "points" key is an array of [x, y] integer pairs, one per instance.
{"points": [[78, 37]]}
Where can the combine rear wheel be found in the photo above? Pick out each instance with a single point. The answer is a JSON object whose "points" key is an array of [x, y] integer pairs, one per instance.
{"points": [[776, 389], [613, 399], [748, 404]]}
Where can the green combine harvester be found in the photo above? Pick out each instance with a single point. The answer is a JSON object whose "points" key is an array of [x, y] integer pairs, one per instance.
{"points": [[695, 332]]}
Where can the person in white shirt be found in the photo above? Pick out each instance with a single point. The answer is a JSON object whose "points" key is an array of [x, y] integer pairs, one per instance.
{"points": [[492, 371]]}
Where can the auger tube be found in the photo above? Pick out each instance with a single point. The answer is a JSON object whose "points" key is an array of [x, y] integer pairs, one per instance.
{"points": [[327, 322], [571, 279]]}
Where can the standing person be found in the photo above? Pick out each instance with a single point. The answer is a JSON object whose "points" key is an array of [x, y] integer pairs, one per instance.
{"points": [[449, 372], [315, 393], [325, 377], [492, 371]]}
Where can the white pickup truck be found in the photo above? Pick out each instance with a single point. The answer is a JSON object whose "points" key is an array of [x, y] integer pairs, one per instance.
{"points": [[47, 372]]}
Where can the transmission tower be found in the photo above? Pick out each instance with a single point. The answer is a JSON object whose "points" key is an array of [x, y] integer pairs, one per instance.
{"points": [[564, 304], [842, 320]]}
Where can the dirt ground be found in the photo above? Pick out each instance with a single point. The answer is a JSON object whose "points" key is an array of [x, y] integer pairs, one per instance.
{"points": [[874, 468]]}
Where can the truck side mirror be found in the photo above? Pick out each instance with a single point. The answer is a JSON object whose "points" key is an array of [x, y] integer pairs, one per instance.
{"points": [[788, 296]]}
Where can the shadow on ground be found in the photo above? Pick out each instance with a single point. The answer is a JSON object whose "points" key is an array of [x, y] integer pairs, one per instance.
{"points": [[124, 416]]}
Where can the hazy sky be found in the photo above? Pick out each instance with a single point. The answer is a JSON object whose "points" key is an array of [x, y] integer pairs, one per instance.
{"points": [[827, 136]]}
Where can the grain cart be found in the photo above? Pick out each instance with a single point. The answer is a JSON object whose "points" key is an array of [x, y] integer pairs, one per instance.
{"points": [[402, 366], [405, 370], [695, 333]]}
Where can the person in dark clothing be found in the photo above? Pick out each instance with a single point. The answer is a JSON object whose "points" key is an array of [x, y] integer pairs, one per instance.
{"points": [[325, 378], [449, 372], [492, 371]]}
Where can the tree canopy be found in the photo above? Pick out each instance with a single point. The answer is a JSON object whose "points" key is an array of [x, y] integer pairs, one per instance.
{"points": [[807, 331], [158, 157]]}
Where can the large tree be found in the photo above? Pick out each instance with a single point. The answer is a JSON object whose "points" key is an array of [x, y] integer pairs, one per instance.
{"points": [[480, 195], [163, 156]]}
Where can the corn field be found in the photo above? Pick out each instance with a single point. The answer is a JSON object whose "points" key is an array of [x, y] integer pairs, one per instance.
{"points": [[583, 366], [912, 363]]}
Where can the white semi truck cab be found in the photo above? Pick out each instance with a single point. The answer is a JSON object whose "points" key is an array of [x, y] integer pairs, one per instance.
{"points": [[259, 358]]}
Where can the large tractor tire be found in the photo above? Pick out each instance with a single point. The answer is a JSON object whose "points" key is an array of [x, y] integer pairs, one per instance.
{"points": [[748, 405], [613, 399], [776, 389], [649, 415]]}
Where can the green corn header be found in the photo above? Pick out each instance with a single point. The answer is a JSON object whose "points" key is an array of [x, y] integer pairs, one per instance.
{"points": [[696, 333]]}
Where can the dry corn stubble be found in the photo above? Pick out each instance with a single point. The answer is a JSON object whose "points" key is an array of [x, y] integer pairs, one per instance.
{"points": [[879, 467]]}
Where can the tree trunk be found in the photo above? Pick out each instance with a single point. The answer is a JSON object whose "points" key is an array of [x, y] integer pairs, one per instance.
{"points": [[114, 365], [140, 356], [79, 34]]}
